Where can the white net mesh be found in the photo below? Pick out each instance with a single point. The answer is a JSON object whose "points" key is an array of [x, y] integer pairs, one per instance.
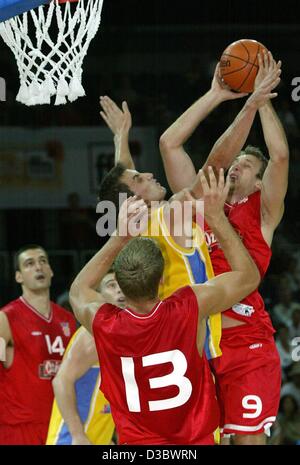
{"points": [[50, 54]]}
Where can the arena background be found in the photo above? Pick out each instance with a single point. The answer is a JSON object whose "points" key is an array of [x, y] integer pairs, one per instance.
{"points": [[159, 56]]}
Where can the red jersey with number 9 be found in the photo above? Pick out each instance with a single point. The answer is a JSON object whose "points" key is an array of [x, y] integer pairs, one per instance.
{"points": [[39, 343], [160, 389]]}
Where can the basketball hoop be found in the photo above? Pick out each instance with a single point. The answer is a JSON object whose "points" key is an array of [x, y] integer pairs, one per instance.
{"points": [[49, 44]]}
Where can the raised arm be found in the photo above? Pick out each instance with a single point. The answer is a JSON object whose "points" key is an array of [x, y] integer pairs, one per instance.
{"points": [[119, 121], [80, 358], [84, 298], [229, 145], [275, 179], [220, 293], [178, 165], [179, 168]]}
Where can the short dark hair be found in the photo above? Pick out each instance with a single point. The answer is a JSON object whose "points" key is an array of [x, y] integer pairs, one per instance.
{"points": [[256, 152], [111, 186], [139, 268], [24, 248]]}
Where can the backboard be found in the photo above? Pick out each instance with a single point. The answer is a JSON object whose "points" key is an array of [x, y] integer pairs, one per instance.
{"points": [[11, 8]]}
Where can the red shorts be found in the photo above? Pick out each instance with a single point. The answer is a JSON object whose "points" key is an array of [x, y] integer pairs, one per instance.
{"points": [[205, 441], [28, 434], [248, 380]]}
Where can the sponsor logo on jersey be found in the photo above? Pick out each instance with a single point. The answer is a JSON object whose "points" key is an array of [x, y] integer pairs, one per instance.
{"points": [[255, 346], [48, 368], [242, 309], [36, 333], [66, 328], [212, 242]]}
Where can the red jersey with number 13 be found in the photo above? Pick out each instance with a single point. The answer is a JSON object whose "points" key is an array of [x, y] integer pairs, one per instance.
{"points": [[159, 388]]}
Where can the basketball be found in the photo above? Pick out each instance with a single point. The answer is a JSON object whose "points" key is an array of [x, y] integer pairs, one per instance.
{"points": [[239, 64]]}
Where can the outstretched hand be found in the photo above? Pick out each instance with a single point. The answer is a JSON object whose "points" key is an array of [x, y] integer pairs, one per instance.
{"points": [[133, 217], [223, 92], [117, 119], [267, 66], [268, 77], [215, 192]]}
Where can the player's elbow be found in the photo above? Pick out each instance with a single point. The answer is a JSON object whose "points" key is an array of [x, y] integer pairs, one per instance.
{"points": [[280, 156], [284, 155], [166, 144], [73, 289], [78, 287], [74, 297]]}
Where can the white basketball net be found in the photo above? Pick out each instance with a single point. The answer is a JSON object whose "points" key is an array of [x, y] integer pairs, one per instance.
{"points": [[52, 66]]}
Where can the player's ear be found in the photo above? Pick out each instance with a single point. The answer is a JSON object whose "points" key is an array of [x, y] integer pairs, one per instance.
{"points": [[258, 184], [18, 277], [51, 272]]}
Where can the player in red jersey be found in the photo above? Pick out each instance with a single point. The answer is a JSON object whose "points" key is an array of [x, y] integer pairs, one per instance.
{"points": [[36, 332], [248, 373], [154, 370]]}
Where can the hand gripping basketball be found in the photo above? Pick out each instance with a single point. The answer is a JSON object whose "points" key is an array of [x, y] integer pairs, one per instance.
{"points": [[239, 64]]}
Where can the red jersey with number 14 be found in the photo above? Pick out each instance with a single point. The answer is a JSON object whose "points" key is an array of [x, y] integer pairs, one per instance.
{"points": [[160, 389], [39, 343], [245, 217]]}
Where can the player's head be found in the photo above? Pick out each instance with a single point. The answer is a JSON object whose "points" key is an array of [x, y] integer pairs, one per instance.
{"points": [[32, 269], [247, 170], [139, 269], [131, 182], [110, 290]]}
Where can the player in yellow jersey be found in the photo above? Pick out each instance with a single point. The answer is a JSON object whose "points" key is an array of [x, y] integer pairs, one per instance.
{"points": [[184, 264], [80, 413]]}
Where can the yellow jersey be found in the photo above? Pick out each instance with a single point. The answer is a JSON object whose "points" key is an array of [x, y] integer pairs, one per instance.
{"points": [[184, 267], [93, 409]]}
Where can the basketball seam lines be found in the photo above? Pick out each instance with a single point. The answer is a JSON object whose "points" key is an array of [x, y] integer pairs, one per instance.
{"points": [[249, 71], [243, 45], [235, 71], [241, 59]]}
